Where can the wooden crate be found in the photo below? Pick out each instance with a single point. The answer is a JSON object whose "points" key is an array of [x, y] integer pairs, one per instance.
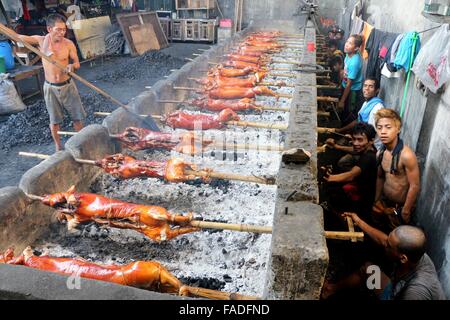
{"points": [[207, 30], [166, 25], [191, 30], [90, 35], [177, 29]]}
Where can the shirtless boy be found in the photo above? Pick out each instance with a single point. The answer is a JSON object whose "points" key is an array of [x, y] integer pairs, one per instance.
{"points": [[398, 180], [60, 90]]}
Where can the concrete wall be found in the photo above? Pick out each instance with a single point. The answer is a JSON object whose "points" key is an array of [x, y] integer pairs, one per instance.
{"points": [[425, 123]]}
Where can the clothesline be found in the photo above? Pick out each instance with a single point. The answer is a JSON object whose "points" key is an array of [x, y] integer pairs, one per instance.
{"points": [[430, 29]]}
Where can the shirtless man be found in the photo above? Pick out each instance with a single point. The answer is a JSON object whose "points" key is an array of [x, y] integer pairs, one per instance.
{"points": [[60, 90], [398, 181]]}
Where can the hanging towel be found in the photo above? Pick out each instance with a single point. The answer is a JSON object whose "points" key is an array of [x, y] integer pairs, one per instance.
{"points": [[403, 56], [367, 30]]}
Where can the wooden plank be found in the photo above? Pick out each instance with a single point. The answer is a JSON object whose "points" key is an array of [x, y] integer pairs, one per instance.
{"points": [[90, 35], [144, 38], [152, 18], [129, 19]]}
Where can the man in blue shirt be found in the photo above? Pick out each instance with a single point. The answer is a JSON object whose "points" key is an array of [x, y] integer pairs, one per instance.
{"points": [[351, 99]]}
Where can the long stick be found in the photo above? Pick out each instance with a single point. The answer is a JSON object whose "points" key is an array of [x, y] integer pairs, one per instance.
{"points": [[260, 125], [215, 294], [327, 99], [351, 227], [11, 35], [46, 156], [230, 226], [267, 84], [197, 173], [230, 176], [280, 95]]}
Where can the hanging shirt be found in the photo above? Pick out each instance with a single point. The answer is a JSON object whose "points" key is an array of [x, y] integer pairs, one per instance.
{"points": [[378, 47], [367, 30], [403, 56], [353, 71]]}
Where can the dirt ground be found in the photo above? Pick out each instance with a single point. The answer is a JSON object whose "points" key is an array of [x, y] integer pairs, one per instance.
{"points": [[123, 77]]}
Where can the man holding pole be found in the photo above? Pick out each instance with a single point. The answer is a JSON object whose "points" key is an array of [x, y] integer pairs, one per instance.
{"points": [[60, 91]]}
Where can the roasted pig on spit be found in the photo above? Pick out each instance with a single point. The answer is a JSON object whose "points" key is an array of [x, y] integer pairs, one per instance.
{"points": [[211, 83], [147, 275], [243, 65], [240, 93], [126, 167], [140, 139], [154, 222], [183, 120], [229, 72], [246, 58], [263, 44], [219, 105]]}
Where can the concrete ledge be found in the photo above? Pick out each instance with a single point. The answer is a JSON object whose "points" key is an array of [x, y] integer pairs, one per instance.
{"points": [[36, 284], [299, 254], [91, 143], [15, 220]]}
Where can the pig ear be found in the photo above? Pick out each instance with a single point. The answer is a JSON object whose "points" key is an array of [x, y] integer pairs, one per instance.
{"points": [[71, 189]]}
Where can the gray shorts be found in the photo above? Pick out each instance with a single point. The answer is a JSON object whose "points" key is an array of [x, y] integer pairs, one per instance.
{"points": [[67, 97]]}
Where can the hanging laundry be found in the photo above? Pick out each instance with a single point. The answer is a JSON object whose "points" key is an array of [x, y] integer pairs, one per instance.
{"points": [[432, 65], [393, 52], [357, 26], [26, 13], [367, 30], [403, 56], [378, 47]]}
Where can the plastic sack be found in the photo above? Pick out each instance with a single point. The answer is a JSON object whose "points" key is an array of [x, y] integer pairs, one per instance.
{"points": [[432, 65], [10, 102]]}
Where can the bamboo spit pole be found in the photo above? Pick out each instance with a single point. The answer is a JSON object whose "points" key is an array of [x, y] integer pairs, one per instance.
{"points": [[267, 84], [279, 95], [338, 235], [197, 173], [263, 107], [351, 227], [11, 35], [215, 294], [327, 99]]}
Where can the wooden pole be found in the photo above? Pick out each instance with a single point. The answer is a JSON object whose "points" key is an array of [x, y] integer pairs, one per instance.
{"points": [[57, 64], [46, 156], [278, 95], [34, 155], [260, 125], [229, 176], [344, 235], [351, 227], [327, 99], [230, 226], [215, 294]]}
